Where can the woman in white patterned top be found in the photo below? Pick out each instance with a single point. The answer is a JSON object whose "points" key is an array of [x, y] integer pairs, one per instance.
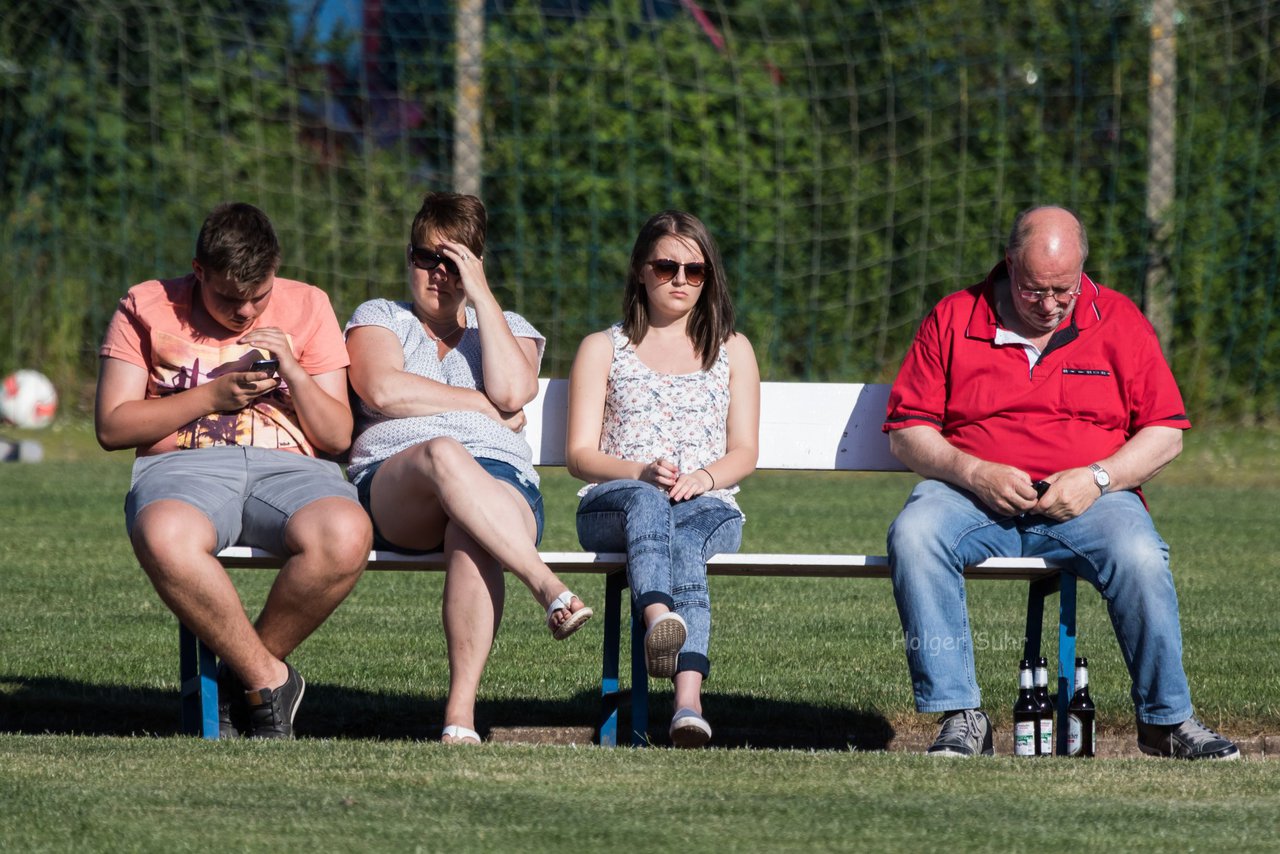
{"points": [[664, 412], [440, 462]]}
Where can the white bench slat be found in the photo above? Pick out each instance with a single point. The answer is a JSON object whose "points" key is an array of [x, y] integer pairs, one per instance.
{"points": [[759, 564], [807, 426], [824, 427]]}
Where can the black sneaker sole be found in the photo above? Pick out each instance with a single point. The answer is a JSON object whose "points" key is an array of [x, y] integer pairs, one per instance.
{"points": [[1226, 754]]}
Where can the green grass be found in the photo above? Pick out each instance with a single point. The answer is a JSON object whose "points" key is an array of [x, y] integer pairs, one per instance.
{"points": [[803, 671], [63, 793]]}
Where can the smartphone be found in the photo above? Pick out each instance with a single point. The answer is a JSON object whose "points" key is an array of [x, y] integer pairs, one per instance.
{"points": [[270, 366], [1041, 487]]}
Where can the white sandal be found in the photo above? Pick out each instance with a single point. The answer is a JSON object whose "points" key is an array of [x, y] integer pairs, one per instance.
{"points": [[571, 623], [459, 733]]}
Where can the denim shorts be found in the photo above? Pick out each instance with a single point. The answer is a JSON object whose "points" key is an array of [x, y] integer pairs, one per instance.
{"points": [[249, 494], [496, 468]]}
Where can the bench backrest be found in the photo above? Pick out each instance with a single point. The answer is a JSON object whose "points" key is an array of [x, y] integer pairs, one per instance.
{"points": [[815, 426]]}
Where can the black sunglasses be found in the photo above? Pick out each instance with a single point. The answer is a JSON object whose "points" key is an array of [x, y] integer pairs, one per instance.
{"points": [[427, 259], [665, 270]]}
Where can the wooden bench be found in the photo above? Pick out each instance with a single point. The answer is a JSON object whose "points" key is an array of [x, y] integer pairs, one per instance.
{"points": [[803, 426]]}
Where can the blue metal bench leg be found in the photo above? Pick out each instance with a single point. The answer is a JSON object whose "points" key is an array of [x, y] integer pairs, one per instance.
{"points": [[615, 586], [1037, 592], [1066, 653], [639, 683], [198, 680], [1064, 584]]}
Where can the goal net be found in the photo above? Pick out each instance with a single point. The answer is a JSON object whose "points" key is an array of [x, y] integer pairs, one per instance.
{"points": [[855, 160]]}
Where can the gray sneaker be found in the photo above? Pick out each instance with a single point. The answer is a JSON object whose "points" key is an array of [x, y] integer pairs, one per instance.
{"points": [[966, 732], [1187, 740], [689, 729]]}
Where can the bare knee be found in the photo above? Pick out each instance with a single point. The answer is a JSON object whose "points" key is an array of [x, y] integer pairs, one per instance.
{"points": [[438, 459], [334, 531], [169, 531]]}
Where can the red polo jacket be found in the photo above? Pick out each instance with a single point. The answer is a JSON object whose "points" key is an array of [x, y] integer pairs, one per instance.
{"points": [[1100, 379]]}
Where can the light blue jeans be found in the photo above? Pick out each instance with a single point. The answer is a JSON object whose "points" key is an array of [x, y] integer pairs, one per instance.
{"points": [[1113, 545], [667, 545]]}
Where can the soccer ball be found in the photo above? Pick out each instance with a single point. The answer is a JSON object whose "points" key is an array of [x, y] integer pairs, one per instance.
{"points": [[28, 399]]}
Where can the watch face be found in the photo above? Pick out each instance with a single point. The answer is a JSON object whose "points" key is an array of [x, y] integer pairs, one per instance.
{"points": [[1101, 477]]}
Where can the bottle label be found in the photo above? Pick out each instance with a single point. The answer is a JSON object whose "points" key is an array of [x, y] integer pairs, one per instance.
{"points": [[1046, 736], [1024, 738], [1074, 735]]}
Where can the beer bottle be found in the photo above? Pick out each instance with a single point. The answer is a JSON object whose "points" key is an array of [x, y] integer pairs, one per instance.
{"points": [[1026, 714], [1046, 707], [1081, 731]]}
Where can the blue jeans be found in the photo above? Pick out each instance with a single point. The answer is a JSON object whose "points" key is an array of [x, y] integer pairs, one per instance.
{"points": [[497, 469], [1113, 545], [667, 546]]}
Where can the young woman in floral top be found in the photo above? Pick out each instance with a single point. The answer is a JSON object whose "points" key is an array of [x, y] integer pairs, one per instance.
{"points": [[664, 412]]}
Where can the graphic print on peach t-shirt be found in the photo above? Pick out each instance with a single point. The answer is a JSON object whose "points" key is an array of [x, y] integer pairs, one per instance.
{"points": [[269, 422]]}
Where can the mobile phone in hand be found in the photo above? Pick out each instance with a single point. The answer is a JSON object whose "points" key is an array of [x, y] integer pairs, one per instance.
{"points": [[270, 366], [1041, 487]]}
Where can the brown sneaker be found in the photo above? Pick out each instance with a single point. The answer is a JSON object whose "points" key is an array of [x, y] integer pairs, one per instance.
{"points": [[662, 644]]}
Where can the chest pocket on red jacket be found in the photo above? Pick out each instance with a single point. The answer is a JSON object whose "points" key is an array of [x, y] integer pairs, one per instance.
{"points": [[1093, 394]]}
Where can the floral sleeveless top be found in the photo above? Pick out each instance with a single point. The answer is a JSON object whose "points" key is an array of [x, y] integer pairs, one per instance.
{"points": [[682, 417]]}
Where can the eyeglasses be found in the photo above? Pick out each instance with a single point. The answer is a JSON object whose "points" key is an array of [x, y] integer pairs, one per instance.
{"points": [[427, 259], [1060, 297], [665, 270]]}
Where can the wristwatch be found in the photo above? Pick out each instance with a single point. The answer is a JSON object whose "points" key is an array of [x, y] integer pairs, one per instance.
{"points": [[1101, 478]]}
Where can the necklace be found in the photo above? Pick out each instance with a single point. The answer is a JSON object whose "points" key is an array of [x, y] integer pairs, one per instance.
{"points": [[442, 339]]}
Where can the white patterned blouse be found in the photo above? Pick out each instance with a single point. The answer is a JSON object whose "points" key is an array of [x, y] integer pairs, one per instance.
{"points": [[380, 437], [650, 415]]}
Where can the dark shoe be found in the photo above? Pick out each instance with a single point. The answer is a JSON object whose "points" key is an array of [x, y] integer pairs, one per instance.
{"points": [[271, 712], [233, 711], [1187, 740], [689, 729], [964, 733]]}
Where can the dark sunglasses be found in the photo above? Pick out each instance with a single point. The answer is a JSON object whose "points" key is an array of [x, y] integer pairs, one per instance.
{"points": [[665, 270], [426, 259]]}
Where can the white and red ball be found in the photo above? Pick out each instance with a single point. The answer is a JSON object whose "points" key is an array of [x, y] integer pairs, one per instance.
{"points": [[28, 399]]}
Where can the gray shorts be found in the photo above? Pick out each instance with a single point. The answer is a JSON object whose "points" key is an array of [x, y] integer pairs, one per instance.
{"points": [[249, 494]]}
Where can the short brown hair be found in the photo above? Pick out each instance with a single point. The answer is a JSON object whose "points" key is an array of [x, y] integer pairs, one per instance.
{"points": [[238, 241], [451, 216]]}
